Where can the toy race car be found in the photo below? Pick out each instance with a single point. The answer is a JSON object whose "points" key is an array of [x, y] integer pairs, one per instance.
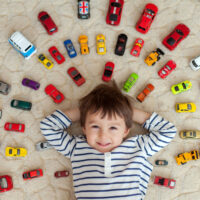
{"points": [[183, 158], [30, 83], [180, 32], [14, 127], [23, 105], [181, 87], [4, 88], [59, 174], [76, 76], [70, 48], [153, 57], [130, 82], [83, 9], [167, 69], [6, 183], [42, 146], [15, 152], [121, 45], [147, 17], [108, 71], [32, 174], [83, 40], [148, 89], [195, 63], [167, 182], [139, 42], [185, 107], [45, 61], [114, 12], [101, 44], [59, 58], [161, 162], [190, 134]]}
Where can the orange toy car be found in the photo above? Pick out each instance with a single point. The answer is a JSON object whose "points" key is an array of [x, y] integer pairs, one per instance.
{"points": [[149, 88]]}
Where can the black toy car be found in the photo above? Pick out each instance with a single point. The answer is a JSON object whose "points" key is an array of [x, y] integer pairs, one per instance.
{"points": [[121, 45], [83, 9]]}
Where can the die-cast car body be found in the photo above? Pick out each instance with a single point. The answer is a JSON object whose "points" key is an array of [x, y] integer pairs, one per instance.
{"points": [[167, 69], [181, 87], [183, 158], [130, 82], [47, 22], [76, 76], [32, 174], [83, 40], [58, 57], [101, 44], [45, 61], [15, 152], [144, 23], [14, 127], [148, 89], [59, 174], [4, 88], [195, 63], [30, 83], [70, 48], [139, 42], [114, 12], [6, 183], [23, 105], [161, 162], [185, 107], [180, 32], [121, 44], [42, 146], [153, 57], [194, 134], [83, 9], [108, 71], [55, 94], [167, 182]]}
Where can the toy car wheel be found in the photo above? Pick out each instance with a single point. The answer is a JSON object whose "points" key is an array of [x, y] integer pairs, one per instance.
{"points": [[154, 63], [158, 58], [160, 51], [183, 163]]}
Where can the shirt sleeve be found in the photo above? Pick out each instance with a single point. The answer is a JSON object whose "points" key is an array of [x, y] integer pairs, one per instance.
{"points": [[161, 132], [53, 128]]}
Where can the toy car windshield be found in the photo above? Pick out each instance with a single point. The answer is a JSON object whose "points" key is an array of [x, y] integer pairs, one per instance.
{"points": [[41, 57], [58, 97], [107, 73], [168, 67], [179, 32], [171, 41], [3, 183], [115, 4], [44, 17], [113, 17], [151, 12], [48, 64]]}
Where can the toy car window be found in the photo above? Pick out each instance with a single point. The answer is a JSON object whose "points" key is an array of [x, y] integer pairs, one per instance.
{"points": [[164, 72], [10, 151], [18, 151], [101, 49], [28, 48], [52, 30], [142, 28], [69, 46], [194, 133], [114, 4], [74, 73], [108, 73], [184, 86], [54, 51], [171, 41], [194, 63], [113, 17], [190, 133], [139, 41], [151, 12], [101, 40], [189, 107], [184, 133], [148, 16], [59, 57], [48, 64], [176, 88], [193, 157], [3, 183], [179, 32], [44, 17], [58, 97], [77, 77], [10, 126], [41, 57], [168, 67], [20, 127], [108, 67], [15, 103], [38, 172]]}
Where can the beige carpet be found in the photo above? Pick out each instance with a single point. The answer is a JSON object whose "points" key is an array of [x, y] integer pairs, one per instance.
{"points": [[21, 15]]}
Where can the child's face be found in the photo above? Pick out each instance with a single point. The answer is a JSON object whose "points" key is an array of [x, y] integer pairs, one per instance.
{"points": [[104, 134]]}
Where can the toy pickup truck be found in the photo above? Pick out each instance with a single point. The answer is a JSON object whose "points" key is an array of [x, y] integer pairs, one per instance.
{"points": [[153, 57]]}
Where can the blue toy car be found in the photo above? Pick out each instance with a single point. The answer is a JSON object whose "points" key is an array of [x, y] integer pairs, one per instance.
{"points": [[70, 48]]}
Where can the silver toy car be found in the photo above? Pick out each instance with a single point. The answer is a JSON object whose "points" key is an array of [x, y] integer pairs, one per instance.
{"points": [[42, 146], [4, 88]]}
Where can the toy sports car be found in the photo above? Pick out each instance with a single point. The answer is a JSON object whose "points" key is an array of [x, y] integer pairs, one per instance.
{"points": [[167, 182], [189, 134], [108, 71], [185, 107], [45, 61], [153, 57], [30, 83], [76, 76], [195, 63], [83, 9], [167, 69], [42, 146], [23, 105], [121, 45], [101, 44], [6, 183], [14, 127], [139, 42], [59, 58], [148, 89], [130, 82], [32, 174], [183, 158], [15, 152], [59, 174], [70, 48], [181, 87]]}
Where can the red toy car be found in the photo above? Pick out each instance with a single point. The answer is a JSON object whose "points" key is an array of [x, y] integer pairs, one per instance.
{"points": [[108, 71], [167, 69], [180, 32], [47, 22], [14, 127], [6, 183], [59, 58], [137, 47], [165, 182], [148, 89], [59, 174], [76, 76], [32, 174], [147, 17], [56, 95], [114, 12]]}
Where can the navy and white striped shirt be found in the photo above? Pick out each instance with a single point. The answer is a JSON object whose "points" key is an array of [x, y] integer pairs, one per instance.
{"points": [[122, 173]]}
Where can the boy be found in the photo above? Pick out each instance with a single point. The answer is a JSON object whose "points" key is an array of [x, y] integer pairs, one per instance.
{"points": [[104, 166]]}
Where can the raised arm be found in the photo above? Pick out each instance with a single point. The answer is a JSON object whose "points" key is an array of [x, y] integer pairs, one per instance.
{"points": [[140, 116]]}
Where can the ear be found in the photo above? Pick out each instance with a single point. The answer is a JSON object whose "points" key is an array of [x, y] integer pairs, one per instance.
{"points": [[126, 132], [83, 129]]}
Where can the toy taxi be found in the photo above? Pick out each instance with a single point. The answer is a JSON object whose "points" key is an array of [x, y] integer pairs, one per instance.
{"points": [[101, 44], [185, 107]]}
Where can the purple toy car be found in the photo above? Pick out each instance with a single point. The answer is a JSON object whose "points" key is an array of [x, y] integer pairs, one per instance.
{"points": [[30, 83]]}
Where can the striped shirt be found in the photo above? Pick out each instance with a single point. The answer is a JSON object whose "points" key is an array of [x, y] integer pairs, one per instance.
{"points": [[122, 173]]}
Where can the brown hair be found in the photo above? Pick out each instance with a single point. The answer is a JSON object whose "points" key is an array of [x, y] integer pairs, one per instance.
{"points": [[109, 100]]}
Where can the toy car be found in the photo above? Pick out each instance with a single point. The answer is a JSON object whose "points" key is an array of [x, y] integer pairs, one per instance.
{"points": [[114, 12], [167, 182], [149, 88], [83, 9], [6, 183], [56, 95], [101, 44], [190, 134], [30, 83], [195, 63], [153, 57], [185, 107], [32, 174], [139, 42], [167, 69], [14, 127], [121, 45], [83, 40], [130, 82], [108, 71], [144, 23], [180, 32], [59, 174], [22, 45], [181, 87], [161, 162], [23, 105], [47, 22], [70, 48], [183, 158], [15, 152], [59, 58], [45, 61], [76, 76], [42, 146], [4, 88]]}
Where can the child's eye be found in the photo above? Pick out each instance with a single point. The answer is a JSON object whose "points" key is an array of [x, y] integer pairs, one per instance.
{"points": [[95, 126], [113, 128]]}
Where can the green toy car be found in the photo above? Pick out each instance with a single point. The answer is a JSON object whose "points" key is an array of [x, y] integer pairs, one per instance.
{"points": [[181, 87], [23, 105], [130, 82]]}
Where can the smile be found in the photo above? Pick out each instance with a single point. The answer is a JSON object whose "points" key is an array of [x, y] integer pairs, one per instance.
{"points": [[103, 145]]}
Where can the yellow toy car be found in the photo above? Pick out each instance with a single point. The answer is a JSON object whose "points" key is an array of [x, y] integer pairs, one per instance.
{"points": [[101, 44], [83, 40], [185, 107], [189, 134], [15, 152], [183, 158], [181, 87], [153, 57], [45, 61]]}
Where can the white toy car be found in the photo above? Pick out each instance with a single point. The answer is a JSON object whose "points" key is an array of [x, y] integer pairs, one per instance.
{"points": [[42, 146], [195, 63]]}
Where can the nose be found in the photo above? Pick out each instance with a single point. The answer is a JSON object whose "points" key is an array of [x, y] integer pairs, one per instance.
{"points": [[102, 135]]}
